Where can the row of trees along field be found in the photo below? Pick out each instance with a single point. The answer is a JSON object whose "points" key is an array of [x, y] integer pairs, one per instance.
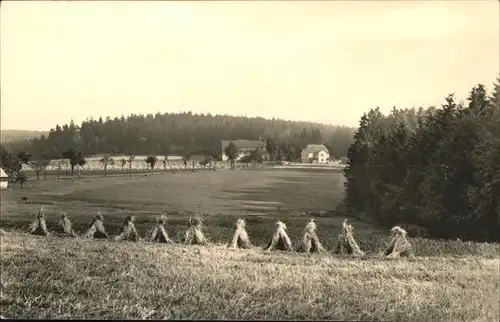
{"points": [[184, 134], [437, 168]]}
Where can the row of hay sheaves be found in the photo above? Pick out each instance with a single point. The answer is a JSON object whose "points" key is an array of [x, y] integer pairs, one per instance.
{"points": [[310, 243]]}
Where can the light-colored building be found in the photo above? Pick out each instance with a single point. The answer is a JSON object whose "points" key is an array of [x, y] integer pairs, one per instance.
{"points": [[4, 179], [174, 157], [315, 153], [245, 147]]}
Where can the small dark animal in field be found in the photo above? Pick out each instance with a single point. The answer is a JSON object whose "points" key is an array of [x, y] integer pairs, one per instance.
{"points": [[96, 229], [158, 233], [346, 242], [240, 238], [280, 239], [67, 226], [310, 241], [399, 245], [38, 227], [194, 233], [129, 232], [24, 199]]}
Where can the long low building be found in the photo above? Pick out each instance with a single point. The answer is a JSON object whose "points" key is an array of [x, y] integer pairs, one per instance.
{"points": [[118, 162]]}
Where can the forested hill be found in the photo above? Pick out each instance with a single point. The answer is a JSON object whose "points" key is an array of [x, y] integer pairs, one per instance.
{"points": [[186, 133]]}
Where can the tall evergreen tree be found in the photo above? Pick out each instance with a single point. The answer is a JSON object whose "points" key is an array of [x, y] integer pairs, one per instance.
{"points": [[438, 168]]}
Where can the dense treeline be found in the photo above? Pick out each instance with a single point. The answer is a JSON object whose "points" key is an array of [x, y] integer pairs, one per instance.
{"points": [[437, 168], [185, 134]]}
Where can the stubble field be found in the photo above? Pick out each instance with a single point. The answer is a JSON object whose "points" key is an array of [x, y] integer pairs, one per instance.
{"points": [[55, 277]]}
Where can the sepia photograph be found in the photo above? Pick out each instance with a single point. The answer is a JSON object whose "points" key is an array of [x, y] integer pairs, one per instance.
{"points": [[250, 160]]}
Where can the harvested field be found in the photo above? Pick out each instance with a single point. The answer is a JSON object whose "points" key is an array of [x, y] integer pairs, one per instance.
{"points": [[260, 196], [56, 277], [124, 280]]}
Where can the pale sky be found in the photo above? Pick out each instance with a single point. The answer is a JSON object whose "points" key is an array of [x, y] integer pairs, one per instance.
{"points": [[325, 61]]}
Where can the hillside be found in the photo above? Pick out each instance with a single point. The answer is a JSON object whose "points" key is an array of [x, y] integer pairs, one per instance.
{"points": [[187, 133], [8, 136], [116, 280]]}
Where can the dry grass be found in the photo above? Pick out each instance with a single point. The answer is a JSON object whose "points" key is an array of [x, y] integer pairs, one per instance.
{"points": [[49, 277], [105, 279]]}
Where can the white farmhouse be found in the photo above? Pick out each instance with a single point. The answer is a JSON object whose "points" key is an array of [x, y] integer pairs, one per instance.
{"points": [[315, 153], [4, 179]]}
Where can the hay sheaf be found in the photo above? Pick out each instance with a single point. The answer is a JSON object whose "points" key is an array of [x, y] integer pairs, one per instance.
{"points": [[39, 227], [346, 242], [67, 226], [194, 233], [158, 233], [129, 232], [310, 242], [280, 239], [240, 238], [399, 245], [96, 229]]}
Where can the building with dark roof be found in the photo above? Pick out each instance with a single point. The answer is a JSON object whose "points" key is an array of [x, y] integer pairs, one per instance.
{"points": [[245, 147]]}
